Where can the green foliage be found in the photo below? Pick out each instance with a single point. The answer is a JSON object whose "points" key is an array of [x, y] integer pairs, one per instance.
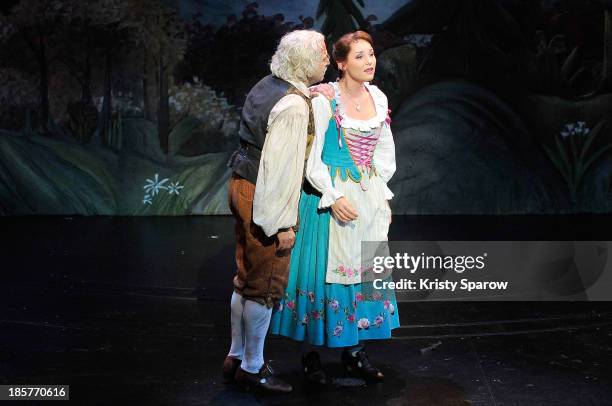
{"points": [[573, 155], [114, 134], [40, 175], [181, 132], [199, 181]]}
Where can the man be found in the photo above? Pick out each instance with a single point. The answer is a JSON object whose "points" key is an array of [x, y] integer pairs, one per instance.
{"points": [[276, 130]]}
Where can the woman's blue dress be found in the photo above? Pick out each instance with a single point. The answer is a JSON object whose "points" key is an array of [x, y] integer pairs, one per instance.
{"points": [[331, 314]]}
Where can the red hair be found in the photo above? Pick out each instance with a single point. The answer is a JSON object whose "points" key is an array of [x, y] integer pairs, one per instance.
{"points": [[342, 47]]}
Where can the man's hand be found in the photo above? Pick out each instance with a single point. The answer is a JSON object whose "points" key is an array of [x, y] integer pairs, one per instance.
{"points": [[324, 89], [286, 239], [343, 210]]}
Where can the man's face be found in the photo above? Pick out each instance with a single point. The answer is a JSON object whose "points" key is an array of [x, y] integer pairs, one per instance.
{"points": [[319, 72]]}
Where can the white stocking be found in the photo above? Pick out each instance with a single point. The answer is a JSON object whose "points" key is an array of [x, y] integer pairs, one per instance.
{"points": [[256, 322], [238, 331]]}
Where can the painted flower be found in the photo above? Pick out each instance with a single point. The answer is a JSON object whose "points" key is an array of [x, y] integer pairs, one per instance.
{"points": [[391, 308], [147, 200], [351, 318], [334, 304], [338, 330], [378, 321], [578, 129], [305, 319], [311, 296], [387, 303], [316, 314], [174, 188], [291, 304], [279, 307], [154, 185], [363, 324], [358, 297], [349, 272]]}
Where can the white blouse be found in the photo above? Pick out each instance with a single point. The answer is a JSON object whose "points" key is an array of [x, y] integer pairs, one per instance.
{"points": [[317, 172]]}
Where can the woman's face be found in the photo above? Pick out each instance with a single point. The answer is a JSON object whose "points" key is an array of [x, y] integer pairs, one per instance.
{"points": [[360, 63]]}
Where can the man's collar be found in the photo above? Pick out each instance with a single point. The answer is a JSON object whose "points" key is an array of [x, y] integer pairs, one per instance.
{"points": [[300, 86]]}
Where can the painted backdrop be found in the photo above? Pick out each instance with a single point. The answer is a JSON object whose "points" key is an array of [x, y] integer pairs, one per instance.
{"points": [[131, 107]]}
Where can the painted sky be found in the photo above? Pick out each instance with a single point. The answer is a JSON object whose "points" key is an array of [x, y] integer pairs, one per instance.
{"points": [[216, 11]]}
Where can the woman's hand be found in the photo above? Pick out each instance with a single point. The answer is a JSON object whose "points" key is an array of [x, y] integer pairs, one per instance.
{"points": [[343, 210], [324, 89]]}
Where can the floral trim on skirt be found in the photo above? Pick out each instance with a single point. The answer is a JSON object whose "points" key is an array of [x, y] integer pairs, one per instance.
{"points": [[330, 314]]}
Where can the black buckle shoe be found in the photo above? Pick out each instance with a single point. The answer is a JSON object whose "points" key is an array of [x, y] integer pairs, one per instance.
{"points": [[264, 380], [359, 364], [230, 366], [313, 370]]}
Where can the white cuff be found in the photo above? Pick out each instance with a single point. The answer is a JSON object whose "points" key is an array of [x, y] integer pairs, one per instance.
{"points": [[328, 198], [388, 193]]}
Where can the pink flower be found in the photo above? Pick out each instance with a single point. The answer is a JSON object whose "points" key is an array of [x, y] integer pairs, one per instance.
{"points": [[351, 317], [305, 319], [338, 330], [358, 297], [378, 321], [341, 269], [350, 273], [387, 303], [363, 324], [311, 296], [316, 315], [334, 304], [291, 305]]}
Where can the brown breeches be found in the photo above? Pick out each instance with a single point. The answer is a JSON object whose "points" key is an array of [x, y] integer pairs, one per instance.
{"points": [[261, 273]]}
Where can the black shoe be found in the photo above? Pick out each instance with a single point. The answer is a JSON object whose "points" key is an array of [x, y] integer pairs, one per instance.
{"points": [[264, 380], [230, 366], [313, 371], [359, 365]]}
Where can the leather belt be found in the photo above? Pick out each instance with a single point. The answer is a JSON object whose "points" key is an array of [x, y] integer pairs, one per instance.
{"points": [[249, 150]]}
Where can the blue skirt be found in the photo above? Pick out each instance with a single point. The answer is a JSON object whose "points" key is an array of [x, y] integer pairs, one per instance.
{"points": [[330, 314]]}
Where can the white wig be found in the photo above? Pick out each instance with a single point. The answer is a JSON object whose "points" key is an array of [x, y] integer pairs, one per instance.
{"points": [[297, 56]]}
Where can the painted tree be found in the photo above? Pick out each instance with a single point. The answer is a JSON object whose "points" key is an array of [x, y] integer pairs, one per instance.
{"points": [[605, 84], [341, 16], [160, 35], [85, 35], [92, 36], [476, 39], [37, 23]]}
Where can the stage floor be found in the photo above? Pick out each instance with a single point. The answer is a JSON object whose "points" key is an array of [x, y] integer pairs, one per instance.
{"points": [[136, 310]]}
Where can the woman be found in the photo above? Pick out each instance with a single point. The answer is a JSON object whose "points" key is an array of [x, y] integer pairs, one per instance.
{"points": [[344, 202]]}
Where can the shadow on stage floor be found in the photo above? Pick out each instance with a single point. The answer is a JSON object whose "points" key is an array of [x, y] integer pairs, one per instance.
{"points": [[136, 310]]}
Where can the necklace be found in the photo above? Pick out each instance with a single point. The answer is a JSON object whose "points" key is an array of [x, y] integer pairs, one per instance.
{"points": [[346, 92]]}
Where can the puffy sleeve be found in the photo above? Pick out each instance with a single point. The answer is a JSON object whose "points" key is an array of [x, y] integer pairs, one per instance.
{"points": [[281, 167], [384, 154], [317, 172]]}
